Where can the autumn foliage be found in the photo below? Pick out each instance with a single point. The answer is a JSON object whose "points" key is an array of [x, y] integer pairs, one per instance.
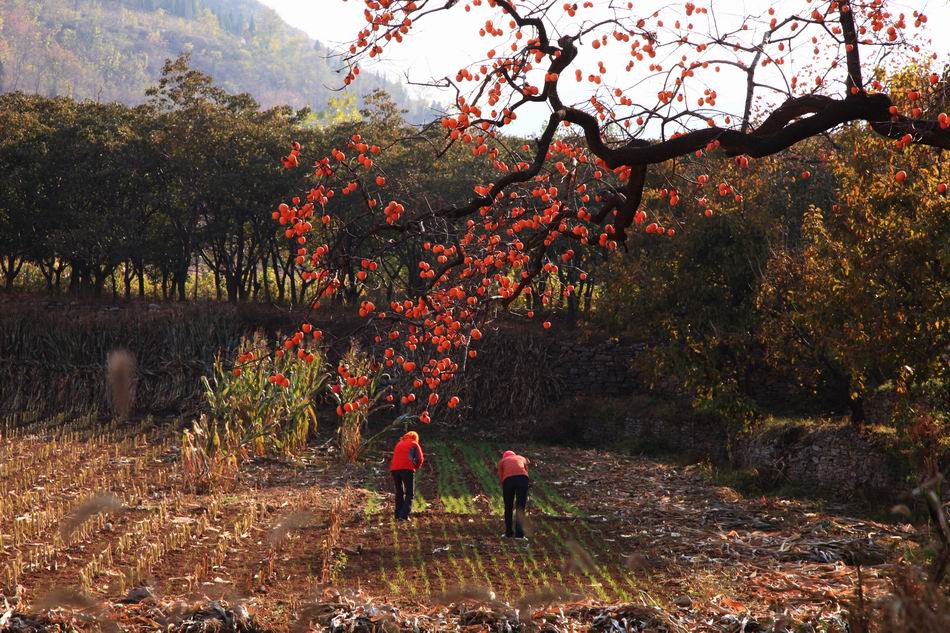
{"points": [[631, 93]]}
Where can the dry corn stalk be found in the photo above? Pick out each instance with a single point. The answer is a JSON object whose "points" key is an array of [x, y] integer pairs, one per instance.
{"points": [[334, 531]]}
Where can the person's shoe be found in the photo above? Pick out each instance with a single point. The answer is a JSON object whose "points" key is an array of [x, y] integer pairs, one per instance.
{"points": [[506, 536], [522, 537]]}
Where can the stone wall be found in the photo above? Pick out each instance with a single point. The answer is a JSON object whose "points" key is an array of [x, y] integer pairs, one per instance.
{"points": [[833, 461], [600, 402], [596, 367], [837, 461], [840, 461], [693, 436]]}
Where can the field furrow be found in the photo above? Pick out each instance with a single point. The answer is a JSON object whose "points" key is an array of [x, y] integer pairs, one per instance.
{"points": [[270, 539]]}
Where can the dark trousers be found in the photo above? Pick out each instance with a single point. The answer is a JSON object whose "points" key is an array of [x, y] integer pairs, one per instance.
{"points": [[515, 492], [403, 481]]}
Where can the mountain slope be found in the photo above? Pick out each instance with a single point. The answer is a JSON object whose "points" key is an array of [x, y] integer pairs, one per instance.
{"points": [[112, 50]]}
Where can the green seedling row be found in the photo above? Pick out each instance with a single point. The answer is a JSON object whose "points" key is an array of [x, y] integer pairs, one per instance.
{"points": [[450, 481], [484, 475], [397, 560], [419, 503], [599, 573], [480, 458], [547, 499], [374, 504]]}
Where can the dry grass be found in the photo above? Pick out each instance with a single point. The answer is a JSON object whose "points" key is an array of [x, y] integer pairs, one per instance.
{"points": [[334, 529], [291, 534], [914, 605]]}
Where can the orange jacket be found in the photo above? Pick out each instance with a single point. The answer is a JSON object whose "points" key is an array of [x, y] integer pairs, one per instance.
{"points": [[408, 453], [512, 464]]}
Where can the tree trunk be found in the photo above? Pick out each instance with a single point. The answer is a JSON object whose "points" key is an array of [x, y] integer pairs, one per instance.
{"points": [[293, 280], [127, 273], [140, 273], [47, 275], [588, 297], [572, 310], [179, 281], [244, 289], [279, 279], [76, 279], [58, 271], [11, 268], [98, 282], [233, 287], [255, 283], [856, 405], [264, 280]]}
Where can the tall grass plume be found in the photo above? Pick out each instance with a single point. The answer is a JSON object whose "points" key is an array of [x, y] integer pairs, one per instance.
{"points": [[122, 378]]}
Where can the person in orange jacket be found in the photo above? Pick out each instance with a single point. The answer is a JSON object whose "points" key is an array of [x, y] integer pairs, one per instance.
{"points": [[513, 475], [407, 458]]}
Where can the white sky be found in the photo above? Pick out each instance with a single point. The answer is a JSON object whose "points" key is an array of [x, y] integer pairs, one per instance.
{"points": [[443, 43]]}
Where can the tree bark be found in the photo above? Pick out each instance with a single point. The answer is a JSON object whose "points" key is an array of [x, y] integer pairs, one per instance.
{"points": [[11, 269], [856, 405], [127, 274], [140, 273]]}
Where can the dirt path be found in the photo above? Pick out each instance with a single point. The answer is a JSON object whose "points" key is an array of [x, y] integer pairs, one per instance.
{"points": [[604, 529]]}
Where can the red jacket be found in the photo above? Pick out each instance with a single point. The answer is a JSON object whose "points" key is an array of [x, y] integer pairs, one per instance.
{"points": [[512, 464], [408, 453]]}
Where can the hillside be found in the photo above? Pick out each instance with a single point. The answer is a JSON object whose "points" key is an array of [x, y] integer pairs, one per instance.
{"points": [[112, 50]]}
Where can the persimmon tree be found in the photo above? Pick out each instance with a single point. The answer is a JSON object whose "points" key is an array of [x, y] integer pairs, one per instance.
{"points": [[624, 89], [861, 307]]}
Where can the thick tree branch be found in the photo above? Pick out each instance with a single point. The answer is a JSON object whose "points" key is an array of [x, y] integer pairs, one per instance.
{"points": [[852, 52]]}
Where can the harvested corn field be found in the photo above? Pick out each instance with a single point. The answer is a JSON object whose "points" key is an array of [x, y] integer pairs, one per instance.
{"points": [[99, 530]]}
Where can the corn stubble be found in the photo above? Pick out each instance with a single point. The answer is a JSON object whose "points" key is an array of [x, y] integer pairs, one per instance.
{"points": [[103, 503], [145, 523]]}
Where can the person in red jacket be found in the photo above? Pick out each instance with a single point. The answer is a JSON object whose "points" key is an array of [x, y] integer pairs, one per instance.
{"points": [[407, 457], [513, 475]]}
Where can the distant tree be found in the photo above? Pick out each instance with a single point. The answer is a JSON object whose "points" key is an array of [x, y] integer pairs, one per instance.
{"points": [[99, 169], [187, 102], [207, 136], [235, 228], [25, 149]]}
